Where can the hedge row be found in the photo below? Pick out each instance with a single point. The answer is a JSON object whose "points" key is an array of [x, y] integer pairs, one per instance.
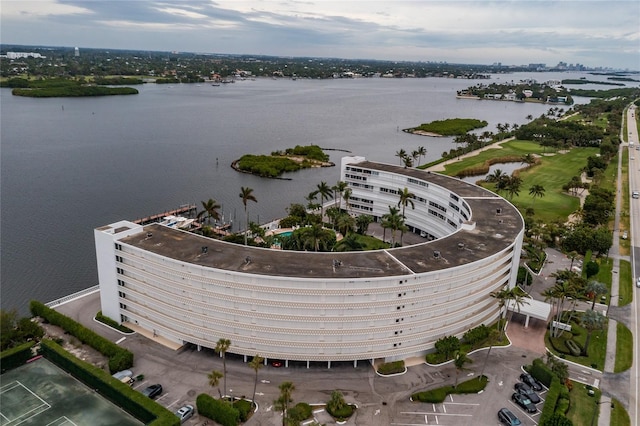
{"points": [[119, 358], [394, 367], [16, 356], [112, 323], [133, 402], [217, 410], [541, 372], [474, 385], [551, 400]]}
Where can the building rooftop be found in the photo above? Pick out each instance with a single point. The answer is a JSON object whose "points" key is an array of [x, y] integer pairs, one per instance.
{"points": [[493, 226]]}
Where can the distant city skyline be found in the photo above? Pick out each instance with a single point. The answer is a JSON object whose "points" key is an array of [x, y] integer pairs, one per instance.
{"points": [[591, 33]]}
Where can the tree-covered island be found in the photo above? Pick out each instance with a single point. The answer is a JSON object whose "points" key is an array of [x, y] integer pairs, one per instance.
{"points": [[63, 87], [279, 162], [551, 92], [448, 127]]}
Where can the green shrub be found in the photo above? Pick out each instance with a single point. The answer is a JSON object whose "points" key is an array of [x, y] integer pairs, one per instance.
{"points": [[562, 406], [119, 358], [540, 371], [573, 347], [476, 335], [557, 420], [391, 368], [111, 323], [304, 409], [217, 410], [551, 400], [16, 356], [244, 409], [438, 395]]}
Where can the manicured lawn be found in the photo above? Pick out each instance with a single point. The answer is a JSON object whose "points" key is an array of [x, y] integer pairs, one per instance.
{"points": [[624, 348], [625, 245], [372, 243], [597, 346], [554, 171], [626, 285], [583, 407], [619, 416], [604, 275]]}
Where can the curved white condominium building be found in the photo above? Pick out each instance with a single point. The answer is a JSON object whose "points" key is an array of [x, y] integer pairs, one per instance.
{"points": [[305, 306]]}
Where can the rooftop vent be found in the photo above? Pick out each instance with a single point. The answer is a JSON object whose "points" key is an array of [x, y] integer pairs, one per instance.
{"points": [[436, 254], [247, 260], [460, 246], [205, 249], [498, 211], [149, 235]]}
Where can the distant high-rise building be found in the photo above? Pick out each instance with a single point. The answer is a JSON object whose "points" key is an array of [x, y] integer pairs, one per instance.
{"points": [[76, 52]]}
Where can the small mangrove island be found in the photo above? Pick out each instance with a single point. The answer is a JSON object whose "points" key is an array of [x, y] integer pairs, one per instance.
{"points": [[279, 162], [62, 87], [448, 127]]}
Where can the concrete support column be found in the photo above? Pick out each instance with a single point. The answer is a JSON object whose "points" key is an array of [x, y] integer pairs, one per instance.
{"points": [[199, 348], [526, 321], [355, 363], [307, 364], [245, 358], [286, 363], [328, 364]]}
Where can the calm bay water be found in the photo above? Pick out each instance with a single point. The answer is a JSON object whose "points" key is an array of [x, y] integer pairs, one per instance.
{"points": [[71, 165]]}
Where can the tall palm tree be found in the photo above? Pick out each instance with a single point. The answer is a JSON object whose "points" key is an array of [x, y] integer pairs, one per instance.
{"points": [[591, 320], [210, 210], [345, 224], [493, 335], [312, 234], [422, 152], [536, 191], [325, 193], [283, 401], [346, 195], [247, 195], [594, 289], [349, 243], [256, 364], [401, 154], [214, 380], [513, 186], [362, 223], [338, 189], [406, 198], [222, 345], [502, 296], [459, 361], [407, 161], [528, 159]]}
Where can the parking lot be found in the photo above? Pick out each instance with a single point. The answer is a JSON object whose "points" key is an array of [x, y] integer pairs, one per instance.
{"points": [[380, 400]]}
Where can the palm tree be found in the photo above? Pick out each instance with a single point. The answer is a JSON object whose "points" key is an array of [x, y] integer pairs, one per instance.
{"points": [[339, 188], [325, 193], [513, 186], [401, 154], [362, 223], [408, 161], [459, 361], [221, 347], [493, 334], [345, 223], [346, 194], [422, 152], [536, 191], [349, 243], [496, 176], [312, 205], [247, 195], [502, 296], [312, 234], [529, 117], [394, 221], [528, 159], [594, 289], [406, 198], [283, 401], [256, 364], [210, 210], [591, 320], [214, 380]]}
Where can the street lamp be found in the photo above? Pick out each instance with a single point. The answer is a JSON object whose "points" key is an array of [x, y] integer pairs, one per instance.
{"points": [[593, 419]]}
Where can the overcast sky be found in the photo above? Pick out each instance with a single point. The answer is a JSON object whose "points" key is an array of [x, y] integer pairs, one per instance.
{"points": [[592, 33]]}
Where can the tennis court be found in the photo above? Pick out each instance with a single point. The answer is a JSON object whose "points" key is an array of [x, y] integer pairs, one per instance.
{"points": [[41, 394]]}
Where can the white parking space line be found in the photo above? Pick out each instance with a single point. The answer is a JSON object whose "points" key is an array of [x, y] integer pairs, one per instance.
{"points": [[173, 403], [436, 414]]}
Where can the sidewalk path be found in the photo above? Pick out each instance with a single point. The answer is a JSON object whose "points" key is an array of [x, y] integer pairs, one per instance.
{"points": [[441, 166]]}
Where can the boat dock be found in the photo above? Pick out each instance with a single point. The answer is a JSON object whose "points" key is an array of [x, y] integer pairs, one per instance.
{"points": [[185, 209]]}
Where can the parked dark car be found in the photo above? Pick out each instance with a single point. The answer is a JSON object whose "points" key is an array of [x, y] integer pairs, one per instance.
{"points": [[525, 389], [152, 391], [507, 418], [531, 381], [524, 402]]}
